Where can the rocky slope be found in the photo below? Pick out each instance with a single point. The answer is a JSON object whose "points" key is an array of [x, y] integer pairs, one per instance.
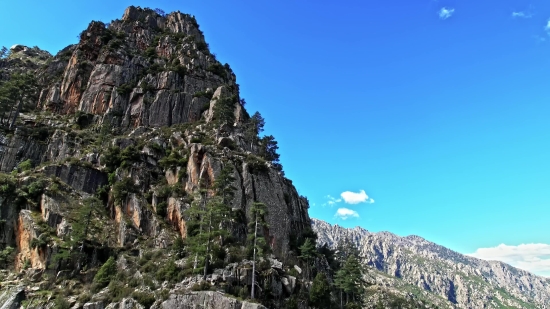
{"points": [[129, 129], [422, 267]]}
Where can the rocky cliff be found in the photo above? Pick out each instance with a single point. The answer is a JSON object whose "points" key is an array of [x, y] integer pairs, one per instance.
{"points": [[421, 267], [121, 136]]}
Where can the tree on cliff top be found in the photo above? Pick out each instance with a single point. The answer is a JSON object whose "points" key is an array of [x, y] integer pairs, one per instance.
{"points": [[224, 110], [254, 127], [19, 92], [3, 52]]}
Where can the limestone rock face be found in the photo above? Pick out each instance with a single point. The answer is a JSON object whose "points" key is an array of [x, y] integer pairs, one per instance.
{"points": [[17, 148], [465, 282], [80, 178], [26, 232], [143, 70], [129, 129]]}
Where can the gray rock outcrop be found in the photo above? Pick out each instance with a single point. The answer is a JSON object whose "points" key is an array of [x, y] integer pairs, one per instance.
{"points": [[207, 300]]}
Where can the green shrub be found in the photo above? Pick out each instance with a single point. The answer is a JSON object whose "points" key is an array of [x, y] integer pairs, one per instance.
{"points": [[256, 164], [84, 298], [206, 94], [41, 133], [196, 140], [61, 303], [151, 52], [161, 209], [217, 69], [7, 185], [202, 46], [7, 254], [125, 88], [118, 291], [39, 242], [156, 147], [129, 155], [179, 69], [202, 286], [144, 298], [25, 165], [123, 188], [178, 247], [105, 273], [169, 272], [36, 188], [174, 159], [111, 158], [148, 267], [152, 69], [149, 283], [111, 177]]}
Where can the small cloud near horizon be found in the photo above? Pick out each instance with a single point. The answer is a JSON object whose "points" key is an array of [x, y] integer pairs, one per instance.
{"points": [[345, 213], [446, 13], [356, 198], [534, 258], [521, 15]]}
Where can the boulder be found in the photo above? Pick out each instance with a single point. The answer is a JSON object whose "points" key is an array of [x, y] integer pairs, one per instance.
{"points": [[11, 297], [93, 305]]}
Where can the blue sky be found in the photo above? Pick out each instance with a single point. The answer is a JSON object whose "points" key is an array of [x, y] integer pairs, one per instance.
{"points": [[437, 110]]}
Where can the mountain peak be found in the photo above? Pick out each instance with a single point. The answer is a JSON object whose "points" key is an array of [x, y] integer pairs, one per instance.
{"points": [[463, 281]]}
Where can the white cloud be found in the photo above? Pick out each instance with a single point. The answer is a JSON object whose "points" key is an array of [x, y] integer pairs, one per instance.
{"points": [[332, 200], [534, 258], [345, 213], [522, 15], [356, 198], [446, 13], [528, 13], [547, 27]]}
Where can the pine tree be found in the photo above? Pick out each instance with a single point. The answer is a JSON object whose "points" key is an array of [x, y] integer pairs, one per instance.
{"points": [[308, 253], [259, 245], [217, 212], [209, 214], [349, 280], [223, 185], [319, 295], [268, 148], [224, 110], [196, 215], [254, 127], [81, 228], [19, 91], [73, 249]]}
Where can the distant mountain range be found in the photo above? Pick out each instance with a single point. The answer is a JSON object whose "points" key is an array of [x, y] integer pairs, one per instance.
{"points": [[447, 279]]}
